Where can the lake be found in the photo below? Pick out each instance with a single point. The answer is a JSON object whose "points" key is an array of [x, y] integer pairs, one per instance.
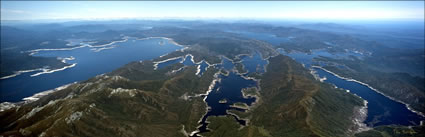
{"points": [[381, 110], [229, 88], [90, 61]]}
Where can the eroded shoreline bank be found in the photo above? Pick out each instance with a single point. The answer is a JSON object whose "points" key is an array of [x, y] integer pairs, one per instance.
{"points": [[359, 82]]}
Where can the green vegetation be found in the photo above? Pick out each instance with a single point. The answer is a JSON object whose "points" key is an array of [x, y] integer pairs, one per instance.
{"points": [[252, 91], [394, 60], [290, 95], [223, 101], [134, 100], [240, 105], [401, 86], [240, 68], [227, 126], [292, 104], [214, 41]]}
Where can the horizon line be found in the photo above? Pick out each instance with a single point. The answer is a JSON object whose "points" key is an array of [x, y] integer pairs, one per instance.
{"points": [[214, 18]]}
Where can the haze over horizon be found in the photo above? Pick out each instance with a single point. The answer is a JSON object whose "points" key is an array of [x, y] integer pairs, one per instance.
{"points": [[319, 10]]}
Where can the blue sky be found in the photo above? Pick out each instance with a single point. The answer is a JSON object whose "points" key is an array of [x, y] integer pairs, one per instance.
{"points": [[344, 10]]}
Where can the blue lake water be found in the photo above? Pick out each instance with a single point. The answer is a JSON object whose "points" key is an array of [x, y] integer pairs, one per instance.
{"points": [[254, 63], [381, 110], [226, 64], [229, 89], [89, 63], [203, 66]]}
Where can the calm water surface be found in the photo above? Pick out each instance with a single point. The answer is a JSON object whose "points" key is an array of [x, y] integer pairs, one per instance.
{"points": [[229, 89], [381, 110], [89, 63]]}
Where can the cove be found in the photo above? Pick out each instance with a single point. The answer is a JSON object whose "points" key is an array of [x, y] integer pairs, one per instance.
{"points": [[254, 63], [228, 88]]}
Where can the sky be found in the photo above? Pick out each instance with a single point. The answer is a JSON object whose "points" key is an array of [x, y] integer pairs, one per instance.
{"points": [[342, 10]]}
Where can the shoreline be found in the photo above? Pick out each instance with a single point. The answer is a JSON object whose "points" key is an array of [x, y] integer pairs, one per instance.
{"points": [[39, 95], [8, 105], [17, 73], [155, 65], [257, 97], [46, 71], [104, 46], [183, 59], [238, 118], [359, 117], [210, 88], [244, 107], [360, 113], [353, 80], [20, 72], [35, 51], [95, 48], [166, 38], [218, 79]]}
